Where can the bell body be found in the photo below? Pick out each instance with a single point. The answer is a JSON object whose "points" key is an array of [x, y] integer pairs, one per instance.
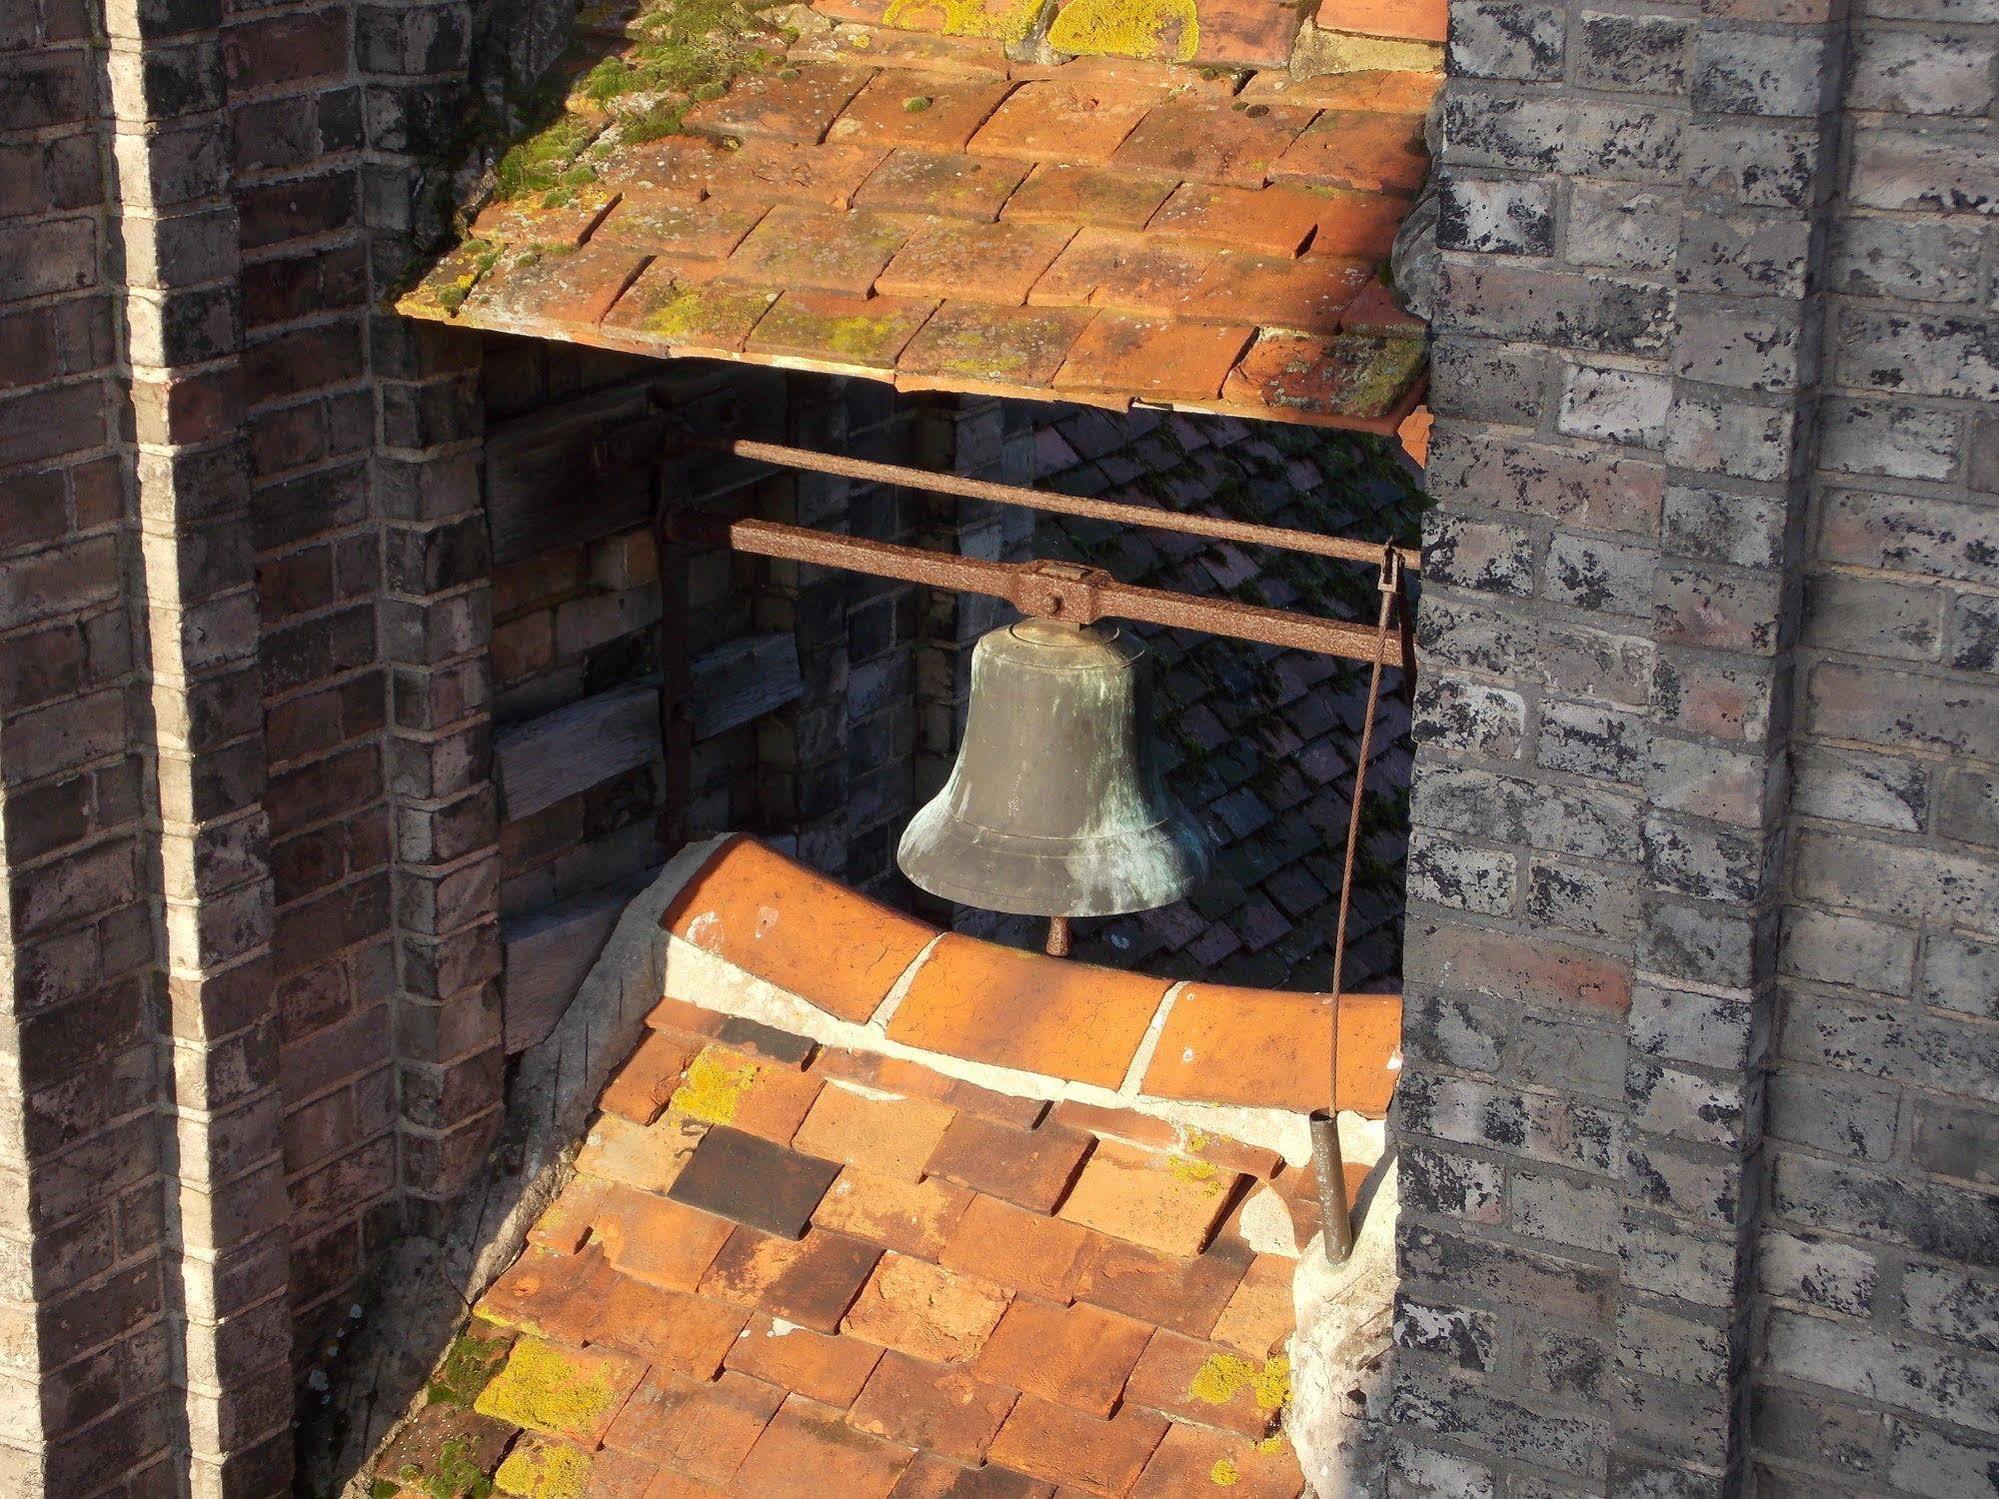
{"points": [[1056, 806]]}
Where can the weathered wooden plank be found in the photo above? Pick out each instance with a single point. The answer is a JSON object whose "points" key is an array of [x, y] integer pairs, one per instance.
{"points": [[540, 762], [744, 679], [547, 955]]}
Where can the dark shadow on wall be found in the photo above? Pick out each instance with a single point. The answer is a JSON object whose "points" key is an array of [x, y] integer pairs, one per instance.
{"points": [[1259, 742]]}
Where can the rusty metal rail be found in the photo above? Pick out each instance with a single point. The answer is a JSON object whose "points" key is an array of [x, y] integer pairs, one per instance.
{"points": [[1248, 532], [1049, 590]]}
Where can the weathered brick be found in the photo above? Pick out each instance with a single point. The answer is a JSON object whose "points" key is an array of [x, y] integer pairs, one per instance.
{"points": [[1612, 225], [1957, 1140], [1931, 1217], [1642, 54], [1922, 261], [1506, 39], [1496, 215], [1599, 573], [1921, 71], [1944, 1301]]}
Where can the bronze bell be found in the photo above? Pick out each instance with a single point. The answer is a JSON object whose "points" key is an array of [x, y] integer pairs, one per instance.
{"points": [[1056, 806]]}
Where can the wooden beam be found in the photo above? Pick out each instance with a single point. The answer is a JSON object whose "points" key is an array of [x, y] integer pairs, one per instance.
{"points": [[744, 679], [538, 763]]}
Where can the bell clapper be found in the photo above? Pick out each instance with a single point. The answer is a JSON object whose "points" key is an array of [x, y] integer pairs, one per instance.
{"points": [[1058, 937]]}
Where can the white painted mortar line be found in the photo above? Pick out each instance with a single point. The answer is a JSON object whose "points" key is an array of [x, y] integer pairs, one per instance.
{"points": [[899, 990], [1134, 1076]]}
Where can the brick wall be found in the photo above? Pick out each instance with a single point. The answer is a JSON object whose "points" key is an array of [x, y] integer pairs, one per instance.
{"points": [[1695, 699], [1879, 1255], [84, 1381]]}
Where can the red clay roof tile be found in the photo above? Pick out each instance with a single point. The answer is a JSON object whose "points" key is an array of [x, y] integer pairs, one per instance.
{"points": [[1200, 143], [951, 184], [810, 1281], [1359, 375], [879, 115], [832, 1369], [938, 1407], [793, 103], [1208, 1384], [1260, 1046], [1065, 1446], [670, 1330], [643, 1085], [844, 955], [1015, 1248], [1258, 1316], [1078, 1356], [1192, 1460], [753, 1181], [913, 1217], [1049, 120], [1153, 357], [994, 1004], [893, 1136], [1093, 196], [656, 1240], [933, 1477], [925, 1310], [1187, 1295], [1002, 260], [1168, 1203], [809, 1452], [710, 1429], [1029, 1168], [903, 109], [1411, 20]]}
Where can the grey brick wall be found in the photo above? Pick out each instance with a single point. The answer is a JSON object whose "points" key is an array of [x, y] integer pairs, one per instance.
{"points": [[1700, 1067], [1879, 1251]]}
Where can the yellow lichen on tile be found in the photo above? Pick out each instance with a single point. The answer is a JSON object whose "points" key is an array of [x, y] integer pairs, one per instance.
{"points": [[1225, 1375], [1163, 29], [560, 1391], [544, 1470], [1224, 1473], [713, 1087]]}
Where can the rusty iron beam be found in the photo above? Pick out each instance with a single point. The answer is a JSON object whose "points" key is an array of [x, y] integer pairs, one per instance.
{"points": [[1282, 537], [1048, 590]]}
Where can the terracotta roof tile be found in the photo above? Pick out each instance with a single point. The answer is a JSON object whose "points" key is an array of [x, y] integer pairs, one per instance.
{"points": [[951, 184], [933, 1477], [753, 1181], [832, 1369], [925, 1310], [1078, 1356], [899, 109], [915, 1217], [1065, 1446], [793, 103], [724, 1086], [1343, 373], [643, 1085], [1032, 1169], [1017, 1009], [1356, 149], [1187, 1295], [1105, 197], [846, 956], [940, 1408], [703, 1431], [670, 1330], [656, 1240], [1192, 1460], [892, 1136], [819, 251], [1163, 359], [1049, 120], [1168, 1203], [1258, 1316], [823, 330], [1200, 143], [1246, 33], [1414, 20], [649, 1157], [1001, 260], [1013, 1247], [1376, 311], [779, 171], [811, 1281], [1227, 1045], [1274, 220], [657, 222], [663, 311], [809, 1452], [982, 1357], [1209, 1384], [904, 112]]}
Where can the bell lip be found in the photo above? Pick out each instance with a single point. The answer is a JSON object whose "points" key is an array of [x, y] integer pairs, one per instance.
{"points": [[1180, 839]]}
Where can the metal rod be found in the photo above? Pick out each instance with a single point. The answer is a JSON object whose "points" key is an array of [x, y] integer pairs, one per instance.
{"points": [[1049, 590], [1329, 1163], [1284, 537], [1058, 937]]}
